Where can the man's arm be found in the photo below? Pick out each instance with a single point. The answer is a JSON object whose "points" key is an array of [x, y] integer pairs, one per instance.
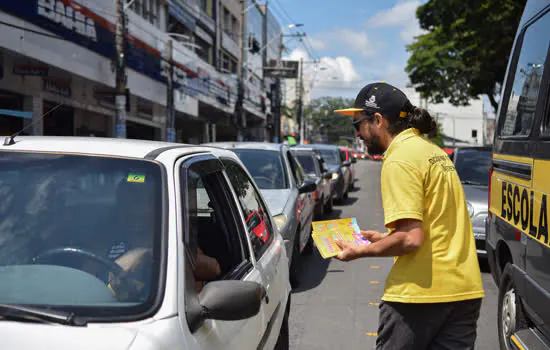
{"points": [[407, 237]]}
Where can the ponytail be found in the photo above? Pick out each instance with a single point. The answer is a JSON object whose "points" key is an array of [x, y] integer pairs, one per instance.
{"points": [[422, 120]]}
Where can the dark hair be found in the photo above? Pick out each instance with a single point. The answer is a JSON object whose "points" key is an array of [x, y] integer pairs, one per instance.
{"points": [[418, 118]]}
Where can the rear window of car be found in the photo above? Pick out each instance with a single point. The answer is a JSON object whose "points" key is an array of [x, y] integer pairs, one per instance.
{"points": [[473, 166], [265, 166]]}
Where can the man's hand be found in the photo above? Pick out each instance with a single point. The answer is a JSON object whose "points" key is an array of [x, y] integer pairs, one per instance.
{"points": [[373, 236], [350, 250]]}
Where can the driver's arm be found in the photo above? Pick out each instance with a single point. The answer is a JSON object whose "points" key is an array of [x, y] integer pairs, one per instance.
{"points": [[131, 259]]}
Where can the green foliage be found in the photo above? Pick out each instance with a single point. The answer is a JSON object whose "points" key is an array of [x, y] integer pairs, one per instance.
{"points": [[465, 51], [327, 123], [438, 139]]}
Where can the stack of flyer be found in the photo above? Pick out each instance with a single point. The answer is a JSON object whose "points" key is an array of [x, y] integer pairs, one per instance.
{"points": [[325, 233]]}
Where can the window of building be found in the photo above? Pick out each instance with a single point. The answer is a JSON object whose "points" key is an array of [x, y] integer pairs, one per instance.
{"points": [[520, 112], [148, 10], [226, 21], [226, 63], [204, 51]]}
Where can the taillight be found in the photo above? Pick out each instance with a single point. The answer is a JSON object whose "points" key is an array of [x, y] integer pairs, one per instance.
{"points": [[315, 195], [490, 186]]}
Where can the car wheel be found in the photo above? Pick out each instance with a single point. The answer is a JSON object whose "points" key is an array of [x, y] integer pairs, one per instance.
{"points": [[510, 315], [295, 262], [329, 205], [283, 341]]}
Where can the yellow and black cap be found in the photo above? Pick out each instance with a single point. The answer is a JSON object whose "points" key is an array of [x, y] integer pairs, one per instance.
{"points": [[380, 98]]}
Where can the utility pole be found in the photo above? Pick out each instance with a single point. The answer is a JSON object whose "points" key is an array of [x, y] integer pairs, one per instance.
{"points": [[264, 62], [300, 112], [239, 106], [170, 113], [120, 41]]}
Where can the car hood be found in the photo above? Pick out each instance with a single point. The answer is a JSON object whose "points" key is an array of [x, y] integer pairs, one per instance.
{"points": [[276, 200], [477, 196], [16, 335]]}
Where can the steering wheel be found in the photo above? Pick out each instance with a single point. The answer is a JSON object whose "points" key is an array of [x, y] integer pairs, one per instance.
{"points": [[110, 266], [259, 179]]}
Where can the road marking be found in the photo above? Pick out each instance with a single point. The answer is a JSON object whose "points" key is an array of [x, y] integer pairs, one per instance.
{"points": [[374, 282], [374, 267], [374, 304], [372, 334]]}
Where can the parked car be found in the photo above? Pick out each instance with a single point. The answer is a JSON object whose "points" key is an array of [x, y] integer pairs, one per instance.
{"points": [[378, 157], [472, 165], [339, 169], [288, 192], [104, 244], [313, 165]]}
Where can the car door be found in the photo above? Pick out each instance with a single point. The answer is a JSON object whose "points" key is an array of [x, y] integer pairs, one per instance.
{"points": [[267, 249], [212, 227], [306, 201]]}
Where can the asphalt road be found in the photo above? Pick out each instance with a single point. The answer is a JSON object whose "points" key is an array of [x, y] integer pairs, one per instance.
{"points": [[336, 304]]}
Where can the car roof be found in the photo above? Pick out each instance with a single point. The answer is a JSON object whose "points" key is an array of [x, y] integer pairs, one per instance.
{"points": [[318, 146], [246, 145], [97, 146]]}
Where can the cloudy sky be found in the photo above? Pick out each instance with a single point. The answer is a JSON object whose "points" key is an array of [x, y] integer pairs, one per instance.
{"points": [[357, 41]]}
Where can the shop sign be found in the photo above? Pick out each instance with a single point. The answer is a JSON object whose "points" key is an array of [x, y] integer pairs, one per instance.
{"points": [[57, 86], [67, 14], [105, 97], [31, 69]]}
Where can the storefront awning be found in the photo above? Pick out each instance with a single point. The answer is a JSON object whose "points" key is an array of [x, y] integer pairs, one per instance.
{"points": [[14, 113]]}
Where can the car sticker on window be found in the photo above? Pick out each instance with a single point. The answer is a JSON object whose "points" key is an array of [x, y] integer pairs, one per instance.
{"points": [[135, 178]]}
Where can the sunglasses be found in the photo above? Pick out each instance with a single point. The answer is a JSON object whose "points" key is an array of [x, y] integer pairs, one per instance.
{"points": [[357, 123]]}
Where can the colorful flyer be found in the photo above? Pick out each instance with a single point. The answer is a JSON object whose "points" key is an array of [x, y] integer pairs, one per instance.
{"points": [[325, 233]]}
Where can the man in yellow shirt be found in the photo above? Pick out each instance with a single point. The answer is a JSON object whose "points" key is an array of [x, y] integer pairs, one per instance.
{"points": [[433, 293]]}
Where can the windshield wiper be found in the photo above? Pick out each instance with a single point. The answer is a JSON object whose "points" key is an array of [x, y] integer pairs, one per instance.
{"points": [[30, 314], [472, 183]]}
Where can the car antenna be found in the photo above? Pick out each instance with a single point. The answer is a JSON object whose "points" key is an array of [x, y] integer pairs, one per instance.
{"points": [[10, 140]]}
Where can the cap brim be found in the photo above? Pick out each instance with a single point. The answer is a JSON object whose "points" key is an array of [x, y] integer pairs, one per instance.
{"points": [[349, 111]]}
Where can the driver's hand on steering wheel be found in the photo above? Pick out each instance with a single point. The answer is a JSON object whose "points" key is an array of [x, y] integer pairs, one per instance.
{"points": [[125, 287]]}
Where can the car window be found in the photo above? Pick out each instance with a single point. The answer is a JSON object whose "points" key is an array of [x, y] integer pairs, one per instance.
{"points": [[265, 166], [343, 156], [331, 157], [256, 216], [297, 170], [473, 166], [213, 240], [308, 163], [60, 211], [520, 111]]}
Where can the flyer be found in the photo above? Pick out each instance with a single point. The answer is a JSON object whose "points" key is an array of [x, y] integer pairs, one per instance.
{"points": [[325, 233]]}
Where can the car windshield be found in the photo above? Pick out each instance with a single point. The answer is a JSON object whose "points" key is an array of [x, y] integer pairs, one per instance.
{"points": [[307, 163], [265, 166], [331, 157], [473, 166], [70, 225]]}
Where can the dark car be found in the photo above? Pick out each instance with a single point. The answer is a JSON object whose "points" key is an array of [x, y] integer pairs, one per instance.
{"points": [[472, 165], [314, 168], [338, 168], [347, 157]]}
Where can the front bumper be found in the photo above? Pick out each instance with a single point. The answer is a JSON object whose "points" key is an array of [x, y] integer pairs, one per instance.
{"points": [[480, 238]]}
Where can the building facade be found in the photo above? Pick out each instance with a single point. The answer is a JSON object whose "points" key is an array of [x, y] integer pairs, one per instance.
{"points": [[57, 68]]}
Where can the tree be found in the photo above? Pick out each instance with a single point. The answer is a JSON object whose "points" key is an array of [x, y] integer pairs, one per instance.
{"points": [[327, 123], [465, 52]]}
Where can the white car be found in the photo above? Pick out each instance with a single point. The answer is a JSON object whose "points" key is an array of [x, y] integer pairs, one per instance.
{"points": [[126, 244]]}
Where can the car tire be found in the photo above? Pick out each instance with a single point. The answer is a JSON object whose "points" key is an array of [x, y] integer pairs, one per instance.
{"points": [[283, 341], [295, 262], [510, 313], [329, 205]]}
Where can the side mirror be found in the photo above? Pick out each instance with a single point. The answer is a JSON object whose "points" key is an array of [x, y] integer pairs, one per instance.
{"points": [[354, 160], [348, 163], [327, 175], [231, 300], [308, 186]]}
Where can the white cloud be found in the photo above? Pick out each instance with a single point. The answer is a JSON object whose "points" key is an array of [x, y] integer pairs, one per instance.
{"points": [[346, 40], [402, 15]]}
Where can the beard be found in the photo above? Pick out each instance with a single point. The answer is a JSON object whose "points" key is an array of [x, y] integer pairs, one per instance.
{"points": [[374, 146]]}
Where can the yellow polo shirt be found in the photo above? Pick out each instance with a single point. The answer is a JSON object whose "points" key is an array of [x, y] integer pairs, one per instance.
{"points": [[419, 181]]}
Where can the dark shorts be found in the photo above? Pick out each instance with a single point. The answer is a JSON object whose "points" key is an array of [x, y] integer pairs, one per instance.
{"points": [[428, 326]]}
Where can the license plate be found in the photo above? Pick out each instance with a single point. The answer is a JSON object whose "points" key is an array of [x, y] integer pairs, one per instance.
{"points": [[480, 235]]}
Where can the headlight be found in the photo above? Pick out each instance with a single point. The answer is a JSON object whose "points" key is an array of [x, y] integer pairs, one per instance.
{"points": [[280, 220], [335, 176], [470, 209], [479, 220]]}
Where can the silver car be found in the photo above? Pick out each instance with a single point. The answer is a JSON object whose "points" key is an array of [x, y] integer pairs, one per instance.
{"points": [[288, 192], [472, 165]]}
